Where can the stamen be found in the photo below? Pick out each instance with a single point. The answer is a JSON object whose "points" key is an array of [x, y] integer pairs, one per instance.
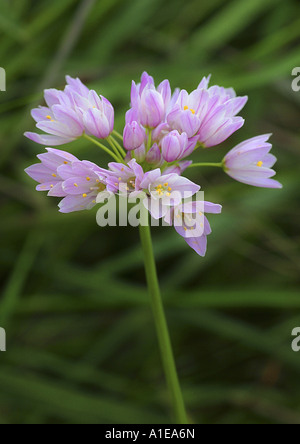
{"points": [[66, 163], [75, 185], [186, 108], [54, 175], [260, 163], [88, 179], [84, 195], [49, 117]]}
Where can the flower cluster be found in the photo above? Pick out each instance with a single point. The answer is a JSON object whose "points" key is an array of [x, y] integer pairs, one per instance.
{"points": [[161, 131]]}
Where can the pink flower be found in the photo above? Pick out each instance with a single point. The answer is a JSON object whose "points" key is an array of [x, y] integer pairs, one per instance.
{"points": [[190, 222], [208, 113], [165, 191], [251, 162], [63, 175], [150, 103], [82, 182], [70, 113], [46, 172], [177, 146], [124, 178]]}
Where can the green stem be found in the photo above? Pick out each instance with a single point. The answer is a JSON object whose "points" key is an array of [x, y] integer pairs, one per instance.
{"points": [[115, 149], [103, 147], [149, 140], [116, 143], [217, 165], [115, 133], [161, 327]]}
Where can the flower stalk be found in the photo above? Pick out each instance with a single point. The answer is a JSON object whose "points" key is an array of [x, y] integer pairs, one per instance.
{"points": [[162, 328], [104, 148], [208, 164]]}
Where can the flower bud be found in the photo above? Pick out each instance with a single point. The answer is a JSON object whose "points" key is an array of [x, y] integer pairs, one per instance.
{"points": [[174, 146], [134, 136]]}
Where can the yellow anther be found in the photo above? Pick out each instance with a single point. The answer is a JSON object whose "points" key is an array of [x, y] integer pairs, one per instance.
{"points": [[166, 185], [120, 178], [260, 163], [84, 195], [88, 179], [66, 163], [186, 108], [75, 185], [54, 175], [97, 180], [94, 201], [51, 186], [49, 117], [170, 189], [185, 229]]}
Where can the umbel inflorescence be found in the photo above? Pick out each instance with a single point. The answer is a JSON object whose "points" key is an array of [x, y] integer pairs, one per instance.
{"points": [[162, 130]]}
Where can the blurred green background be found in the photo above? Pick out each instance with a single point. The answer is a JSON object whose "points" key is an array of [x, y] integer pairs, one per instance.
{"points": [[81, 346]]}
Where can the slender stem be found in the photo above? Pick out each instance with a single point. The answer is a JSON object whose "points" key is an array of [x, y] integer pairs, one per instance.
{"points": [[115, 133], [115, 149], [103, 147], [122, 151], [149, 140], [162, 328], [217, 165]]}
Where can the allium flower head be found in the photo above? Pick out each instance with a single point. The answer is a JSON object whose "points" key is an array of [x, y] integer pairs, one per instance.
{"points": [[161, 131], [250, 162]]}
